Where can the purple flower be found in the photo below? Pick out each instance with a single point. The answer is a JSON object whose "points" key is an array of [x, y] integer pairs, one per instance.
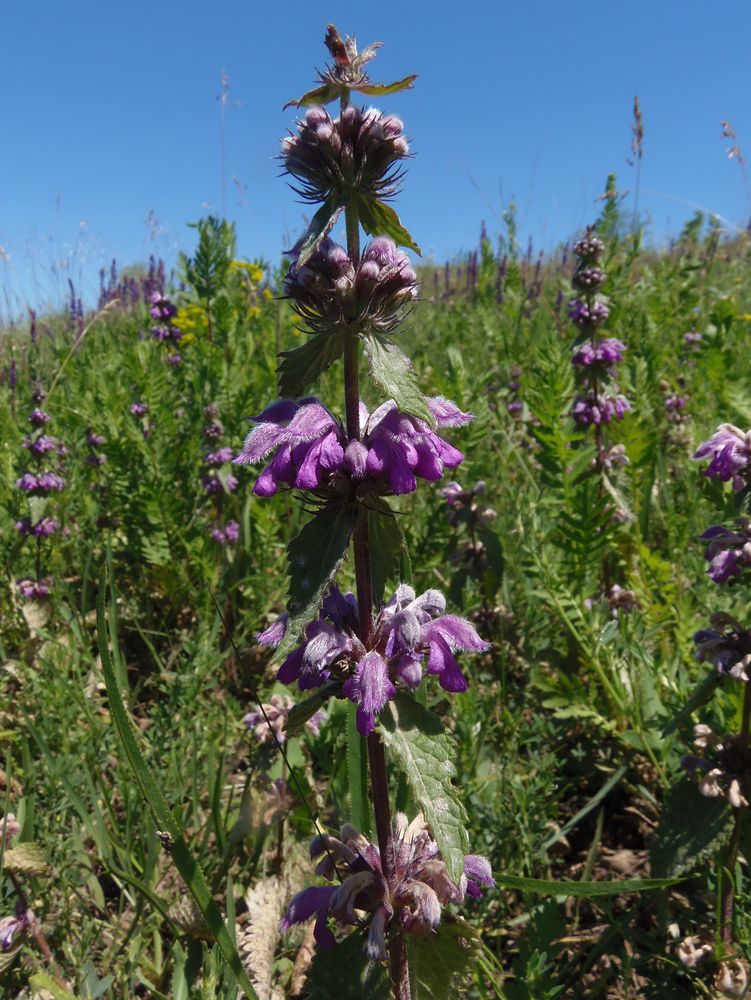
{"points": [[44, 528], [728, 552], [421, 885], [268, 724], [214, 486], [96, 461], [161, 307], [95, 440], [587, 316], [174, 359], [38, 418], [727, 645], [410, 634], [139, 409], [599, 408], [42, 444], [604, 352], [514, 407], [692, 337], [220, 456], [729, 449], [227, 535], [40, 484], [401, 448], [33, 589], [307, 441], [213, 430]]}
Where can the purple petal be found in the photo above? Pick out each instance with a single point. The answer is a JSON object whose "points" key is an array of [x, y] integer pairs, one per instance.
{"points": [[274, 634], [370, 688], [290, 669], [478, 868], [310, 422], [446, 413], [458, 632]]}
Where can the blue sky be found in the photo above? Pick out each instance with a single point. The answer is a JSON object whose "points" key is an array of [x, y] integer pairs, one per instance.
{"points": [[111, 121]]}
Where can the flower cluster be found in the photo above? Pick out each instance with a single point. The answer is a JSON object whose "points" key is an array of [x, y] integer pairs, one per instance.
{"points": [[268, 722], [728, 551], [594, 357], [39, 485], [225, 535], [311, 451], [411, 635], [729, 451], [727, 772], [215, 483], [413, 902], [23, 923], [361, 150], [163, 311], [727, 646], [329, 292]]}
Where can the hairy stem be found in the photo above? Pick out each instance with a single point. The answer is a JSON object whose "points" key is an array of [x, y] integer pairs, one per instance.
{"points": [[364, 581]]}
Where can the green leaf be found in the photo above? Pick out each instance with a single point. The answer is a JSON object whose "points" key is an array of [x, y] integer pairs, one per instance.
{"points": [[547, 887], [701, 696], [313, 557], [320, 225], [357, 774], [25, 859], [382, 89], [393, 371], [321, 95], [379, 219], [41, 981], [438, 962], [692, 828], [165, 821], [304, 710], [345, 973], [387, 547], [423, 750], [306, 364]]}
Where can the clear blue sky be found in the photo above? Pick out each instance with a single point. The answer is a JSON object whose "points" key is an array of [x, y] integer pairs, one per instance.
{"points": [[111, 117]]}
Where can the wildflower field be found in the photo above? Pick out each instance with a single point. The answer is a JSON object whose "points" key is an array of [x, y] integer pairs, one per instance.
{"points": [[498, 747]]}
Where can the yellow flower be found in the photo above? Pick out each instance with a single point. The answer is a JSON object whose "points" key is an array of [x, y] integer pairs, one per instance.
{"points": [[747, 317], [268, 295], [191, 321], [245, 269]]}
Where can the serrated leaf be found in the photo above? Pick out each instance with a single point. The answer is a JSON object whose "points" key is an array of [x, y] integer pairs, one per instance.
{"points": [[438, 962], [304, 710], [692, 827], [313, 557], [547, 887], [320, 225], [305, 364], [25, 859], [345, 973], [387, 548], [321, 95], [393, 371], [382, 89], [423, 750], [701, 696], [379, 219]]}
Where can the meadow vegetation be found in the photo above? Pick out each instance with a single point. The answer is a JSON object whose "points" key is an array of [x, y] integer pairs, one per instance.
{"points": [[587, 579]]}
